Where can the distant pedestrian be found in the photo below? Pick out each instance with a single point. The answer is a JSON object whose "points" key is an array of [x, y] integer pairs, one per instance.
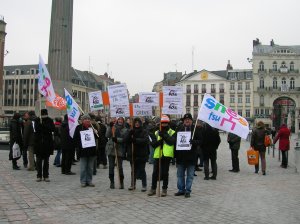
{"points": [[67, 148], [284, 143], [234, 142], [29, 139], [15, 131], [258, 144], [101, 155], [85, 140], [43, 144], [24, 149], [210, 144], [57, 141]]}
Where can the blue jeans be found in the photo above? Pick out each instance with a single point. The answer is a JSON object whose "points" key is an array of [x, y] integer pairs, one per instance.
{"points": [[57, 158], [86, 169], [184, 186]]}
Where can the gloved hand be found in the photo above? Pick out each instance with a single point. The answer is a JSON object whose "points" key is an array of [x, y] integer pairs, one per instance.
{"points": [[114, 139], [160, 133], [193, 141]]}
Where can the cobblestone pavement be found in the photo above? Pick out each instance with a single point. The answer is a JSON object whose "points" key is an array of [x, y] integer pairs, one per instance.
{"points": [[242, 197]]}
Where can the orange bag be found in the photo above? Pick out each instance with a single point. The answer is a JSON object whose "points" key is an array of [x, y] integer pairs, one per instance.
{"points": [[252, 156], [268, 141]]}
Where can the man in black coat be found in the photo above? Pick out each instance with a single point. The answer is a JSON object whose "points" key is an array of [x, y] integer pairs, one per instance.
{"points": [[234, 142], [43, 144], [15, 138], [187, 159], [210, 144]]}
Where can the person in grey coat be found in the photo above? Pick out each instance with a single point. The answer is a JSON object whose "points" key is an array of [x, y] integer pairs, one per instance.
{"points": [[234, 142]]}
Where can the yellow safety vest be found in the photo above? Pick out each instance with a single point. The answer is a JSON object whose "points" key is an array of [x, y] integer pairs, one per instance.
{"points": [[168, 150]]}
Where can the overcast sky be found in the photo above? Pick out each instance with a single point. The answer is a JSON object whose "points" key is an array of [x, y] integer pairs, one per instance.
{"points": [[142, 39]]}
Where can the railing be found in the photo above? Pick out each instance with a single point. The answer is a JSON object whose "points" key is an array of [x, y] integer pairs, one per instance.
{"points": [[203, 90], [213, 90], [188, 91], [221, 90], [196, 90], [196, 104]]}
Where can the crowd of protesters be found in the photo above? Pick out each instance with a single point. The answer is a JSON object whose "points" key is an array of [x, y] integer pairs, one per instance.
{"points": [[96, 144]]}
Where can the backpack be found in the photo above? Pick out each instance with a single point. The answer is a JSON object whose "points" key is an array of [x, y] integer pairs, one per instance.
{"points": [[268, 141]]}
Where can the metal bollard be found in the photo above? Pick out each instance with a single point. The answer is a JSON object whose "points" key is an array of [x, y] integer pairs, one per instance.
{"points": [[297, 157]]}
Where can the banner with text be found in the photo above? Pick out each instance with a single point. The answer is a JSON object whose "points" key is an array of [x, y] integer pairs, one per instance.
{"points": [[172, 100], [150, 98], [73, 113], [118, 94], [142, 109], [119, 110], [45, 85], [218, 116], [96, 102]]}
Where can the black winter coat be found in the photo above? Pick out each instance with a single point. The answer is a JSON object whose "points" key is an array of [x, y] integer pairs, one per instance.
{"points": [[211, 139], [188, 157], [84, 152], [138, 139], [43, 137], [66, 142]]}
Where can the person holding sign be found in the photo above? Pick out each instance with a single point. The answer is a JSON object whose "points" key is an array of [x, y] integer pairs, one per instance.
{"points": [[188, 138], [138, 137], [116, 149], [84, 138], [164, 151]]}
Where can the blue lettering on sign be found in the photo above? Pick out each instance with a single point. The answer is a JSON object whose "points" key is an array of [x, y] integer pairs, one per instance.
{"points": [[213, 117]]}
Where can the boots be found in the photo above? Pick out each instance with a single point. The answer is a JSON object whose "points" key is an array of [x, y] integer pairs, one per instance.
{"points": [[121, 184], [112, 185], [152, 192], [164, 193]]}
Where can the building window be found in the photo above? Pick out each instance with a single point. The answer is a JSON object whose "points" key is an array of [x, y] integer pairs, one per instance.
{"points": [[203, 88], [283, 65], [292, 67], [232, 86], [256, 111], [261, 83], [247, 113], [196, 112], [188, 88], [240, 112], [274, 66], [262, 111], [261, 100], [213, 88], [292, 83], [196, 88], [188, 100], [261, 66], [188, 110], [222, 99], [240, 99], [248, 75], [221, 87], [274, 83], [247, 85], [196, 101], [240, 86], [266, 111], [232, 98], [247, 98]]}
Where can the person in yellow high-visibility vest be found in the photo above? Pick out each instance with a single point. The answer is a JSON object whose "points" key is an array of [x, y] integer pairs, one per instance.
{"points": [[164, 149]]}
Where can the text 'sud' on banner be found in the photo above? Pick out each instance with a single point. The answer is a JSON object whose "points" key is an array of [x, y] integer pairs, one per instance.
{"points": [[95, 100], [45, 85], [172, 100], [73, 113], [218, 116]]}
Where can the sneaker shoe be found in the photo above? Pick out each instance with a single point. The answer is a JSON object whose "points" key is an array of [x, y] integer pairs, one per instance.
{"points": [[187, 195], [91, 185], [179, 193], [264, 173], [83, 185], [46, 179], [38, 179], [144, 189], [151, 192]]}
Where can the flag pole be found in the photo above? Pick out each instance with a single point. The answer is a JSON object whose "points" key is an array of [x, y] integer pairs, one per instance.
{"points": [[160, 154]]}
